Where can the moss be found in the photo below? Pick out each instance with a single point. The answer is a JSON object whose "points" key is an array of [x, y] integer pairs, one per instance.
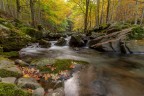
{"points": [[32, 32], [15, 40], [1, 50], [6, 73], [2, 20], [10, 54], [11, 90], [61, 65], [137, 33]]}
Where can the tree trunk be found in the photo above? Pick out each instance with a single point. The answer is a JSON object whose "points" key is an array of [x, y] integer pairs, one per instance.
{"points": [[97, 13], [101, 18], [142, 17], [18, 8], [108, 11], [136, 12], [86, 16], [32, 13]]}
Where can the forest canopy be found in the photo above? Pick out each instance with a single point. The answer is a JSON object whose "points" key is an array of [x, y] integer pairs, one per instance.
{"points": [[74, 15]]}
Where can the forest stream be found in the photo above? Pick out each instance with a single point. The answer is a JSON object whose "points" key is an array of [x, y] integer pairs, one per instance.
{"points": [[107, 74]]}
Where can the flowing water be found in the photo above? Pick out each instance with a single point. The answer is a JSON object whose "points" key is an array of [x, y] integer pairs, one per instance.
{"points": [[108, 74]]}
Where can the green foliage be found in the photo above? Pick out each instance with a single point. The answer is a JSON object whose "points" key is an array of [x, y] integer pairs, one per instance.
{"points": [[6, 73], [137, 33], [11, 90]]}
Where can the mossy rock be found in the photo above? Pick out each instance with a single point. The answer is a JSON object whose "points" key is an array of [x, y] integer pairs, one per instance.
{"points": [[60, 65], [13, 39], [12, 90], [8, 69], [7, 73], [32, 32]]}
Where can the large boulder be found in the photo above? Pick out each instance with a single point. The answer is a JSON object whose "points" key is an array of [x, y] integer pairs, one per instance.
{"points": [[61, 42], [55, 36], [8, 68], [12, 39], [77, 41], [44, 43], [28, 83]]}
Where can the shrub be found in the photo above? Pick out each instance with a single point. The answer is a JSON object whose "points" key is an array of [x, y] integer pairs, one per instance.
{"points": [[137, 33]]}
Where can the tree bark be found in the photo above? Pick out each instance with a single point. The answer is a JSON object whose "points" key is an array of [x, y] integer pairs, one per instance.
{"points": [[32, 13], [136, 12], [86, 16], [18, 8], [97, 13], [101, 17], [108, 11], [142, 17]]}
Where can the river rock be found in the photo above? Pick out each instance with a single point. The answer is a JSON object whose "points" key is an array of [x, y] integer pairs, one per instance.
{"points": [[21, 63], [9, 80], [38, 92], [28, 83], [61, 42], [8, 68], [44, 43], [57, 92], [76, 41]]}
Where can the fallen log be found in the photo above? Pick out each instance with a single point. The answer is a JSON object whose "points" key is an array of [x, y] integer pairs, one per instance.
{"points": [[121, 35], [115, 34]]}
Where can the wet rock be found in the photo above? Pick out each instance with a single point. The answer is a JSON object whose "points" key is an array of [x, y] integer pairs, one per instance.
{"points": [[9, 80], [21, 63], [76, 41], [57, 92], [8, 68], [28, 83], [38, 92], [45, 44], [61, 42]]}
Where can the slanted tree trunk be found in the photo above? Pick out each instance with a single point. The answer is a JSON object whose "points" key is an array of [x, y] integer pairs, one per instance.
{"points": [[86, 16]]}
